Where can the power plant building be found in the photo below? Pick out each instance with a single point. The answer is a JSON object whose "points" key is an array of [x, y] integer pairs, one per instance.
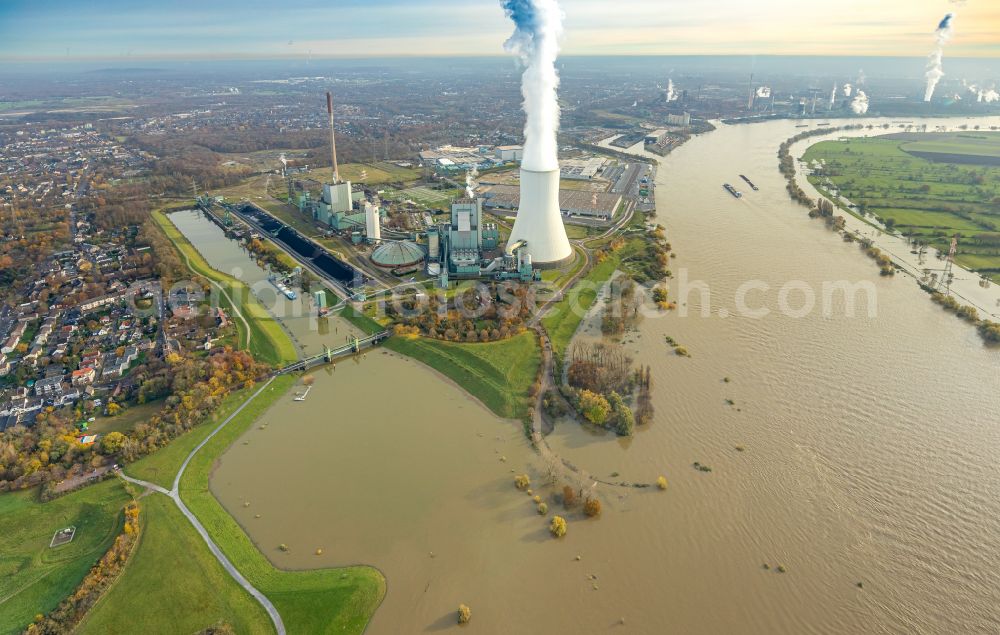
{"points": [[336, 207], [373, 223], [683, 119], [507, 154], [538, 230], [398, 254]]}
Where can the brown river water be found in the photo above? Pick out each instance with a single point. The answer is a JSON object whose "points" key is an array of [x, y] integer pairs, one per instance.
{"points": [[870, 447]]}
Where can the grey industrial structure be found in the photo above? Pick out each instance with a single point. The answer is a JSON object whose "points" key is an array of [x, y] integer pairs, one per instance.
{"points": [[571, 202]]}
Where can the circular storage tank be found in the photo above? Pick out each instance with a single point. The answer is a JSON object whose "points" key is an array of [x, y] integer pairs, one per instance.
{"points": [[402, 253]]}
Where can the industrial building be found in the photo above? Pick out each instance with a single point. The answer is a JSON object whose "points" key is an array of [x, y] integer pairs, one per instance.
{"points": [[682, 119], [464, 248], [508, 154], [581, 169], [398, 255], [601, 205], [339, 207], [343, 210]]}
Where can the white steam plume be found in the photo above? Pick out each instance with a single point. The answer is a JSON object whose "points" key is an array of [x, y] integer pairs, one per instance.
{"points": [[536, 42], [671, 93], [833, 97], [470, 182], [848, 89], [859, 105], [934, 67]]}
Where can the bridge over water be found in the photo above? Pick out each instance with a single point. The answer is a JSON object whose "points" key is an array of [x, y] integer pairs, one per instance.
{"points": [[329, 355]]}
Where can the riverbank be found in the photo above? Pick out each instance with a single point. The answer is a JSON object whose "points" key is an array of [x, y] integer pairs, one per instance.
{"points": [[858, 430], [965, 287], [845, 457], [342, 599], [259, 332]]}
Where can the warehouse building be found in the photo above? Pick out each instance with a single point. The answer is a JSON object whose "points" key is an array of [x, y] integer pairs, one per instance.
{"points": [[599, 205]]}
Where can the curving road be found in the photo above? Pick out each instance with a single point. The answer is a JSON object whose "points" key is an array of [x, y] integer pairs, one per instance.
{"points": [[174, 494]]}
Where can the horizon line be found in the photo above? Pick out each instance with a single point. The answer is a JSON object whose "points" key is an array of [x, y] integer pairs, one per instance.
{"points": [[297, 56]]}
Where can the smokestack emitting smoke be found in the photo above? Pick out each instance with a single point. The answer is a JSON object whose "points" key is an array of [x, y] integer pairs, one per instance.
{"points": [[538, 227], [934, 71], [536, 42], [671, 95], [848, 89], [333, 138], [833, 97], [859, 105], [470, 182]]}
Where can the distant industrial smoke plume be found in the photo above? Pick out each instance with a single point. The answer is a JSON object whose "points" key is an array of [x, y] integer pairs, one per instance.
{"points": [[833, 97], [671, 94], [470, 182], [859, 105], [536, 41], [934, 67], [848, 89], [987, 95]]}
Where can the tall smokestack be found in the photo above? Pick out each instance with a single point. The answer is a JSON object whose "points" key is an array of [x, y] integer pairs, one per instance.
{"points": [[333, 138], [536, 41]]}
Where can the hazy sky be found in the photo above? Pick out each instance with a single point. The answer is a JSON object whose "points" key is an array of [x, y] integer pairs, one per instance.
{"points": [[118, 29]]}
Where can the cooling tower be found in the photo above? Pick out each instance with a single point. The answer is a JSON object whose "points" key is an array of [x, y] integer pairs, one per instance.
{"points": [[538, 222]]}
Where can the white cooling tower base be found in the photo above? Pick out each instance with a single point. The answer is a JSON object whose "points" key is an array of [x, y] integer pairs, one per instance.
{"points": [[539, 222]]}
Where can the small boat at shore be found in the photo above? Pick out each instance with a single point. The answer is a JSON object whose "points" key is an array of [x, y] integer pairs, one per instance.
{"points": [[302, 397]]}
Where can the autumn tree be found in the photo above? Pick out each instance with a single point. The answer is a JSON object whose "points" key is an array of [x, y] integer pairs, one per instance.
{"points": [[558, 526], [592, 507], [595, 407], [568, 496]]}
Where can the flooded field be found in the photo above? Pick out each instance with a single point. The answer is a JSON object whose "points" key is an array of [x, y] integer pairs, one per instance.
{"points": [[869, 448]]}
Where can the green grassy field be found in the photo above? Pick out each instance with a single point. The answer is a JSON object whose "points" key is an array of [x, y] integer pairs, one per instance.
{"points": [[425, 196], [173, 584], [161, 466], [369, 173], [317, 601], [564, 318], [929, 186], [18, 105], [34, 578], [498, 373], [973, 144], [268, 341], [127, 419]]}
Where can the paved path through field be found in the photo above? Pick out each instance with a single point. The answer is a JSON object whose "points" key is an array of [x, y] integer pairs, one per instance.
{"points": [[174, 495]]}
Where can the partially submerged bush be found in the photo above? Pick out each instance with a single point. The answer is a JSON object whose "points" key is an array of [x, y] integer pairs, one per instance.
{"points": [[568, 497], [592, 507], [661, 482], [558, 526], [521, 481], [464, 614]]}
